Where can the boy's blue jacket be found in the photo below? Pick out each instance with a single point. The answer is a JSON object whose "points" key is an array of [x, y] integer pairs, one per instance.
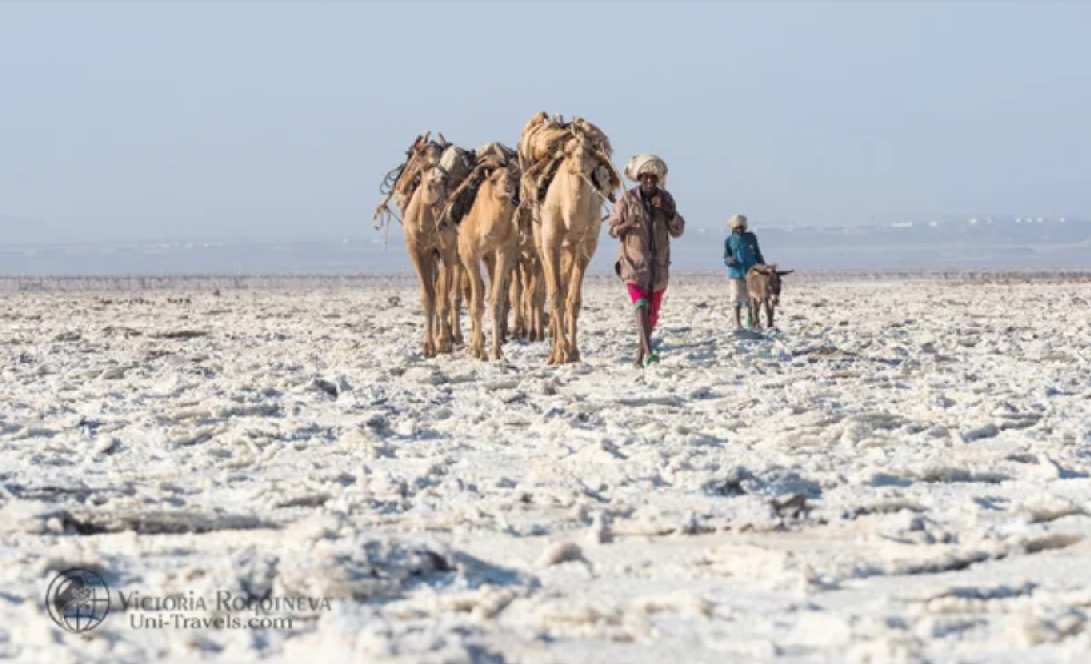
{"points": [[743, 247]]}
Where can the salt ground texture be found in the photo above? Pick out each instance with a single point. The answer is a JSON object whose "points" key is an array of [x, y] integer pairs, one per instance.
{"points": [[900, 473]]}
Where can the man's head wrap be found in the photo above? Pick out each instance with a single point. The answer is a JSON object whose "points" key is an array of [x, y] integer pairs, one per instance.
{"points": [[647, 163]]}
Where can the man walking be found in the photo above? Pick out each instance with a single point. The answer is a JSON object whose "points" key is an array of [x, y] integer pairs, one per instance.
{"points": [[645, 219]]}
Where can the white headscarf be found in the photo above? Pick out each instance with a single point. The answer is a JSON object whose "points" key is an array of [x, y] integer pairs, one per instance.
{"points": [[738, 221], [646, 163]]}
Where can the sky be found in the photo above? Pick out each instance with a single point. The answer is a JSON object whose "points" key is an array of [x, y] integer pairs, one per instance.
{"points": [[163, 119]]}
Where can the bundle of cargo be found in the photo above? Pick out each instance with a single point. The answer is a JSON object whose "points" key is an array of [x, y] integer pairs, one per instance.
{"points": [[542, 146]]}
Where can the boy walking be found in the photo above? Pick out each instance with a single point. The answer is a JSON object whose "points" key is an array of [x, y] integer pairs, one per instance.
{"points": [[741, 252]]}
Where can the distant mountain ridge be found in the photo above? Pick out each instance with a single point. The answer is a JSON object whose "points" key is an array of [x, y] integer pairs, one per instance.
{"points": [[987, 243]]}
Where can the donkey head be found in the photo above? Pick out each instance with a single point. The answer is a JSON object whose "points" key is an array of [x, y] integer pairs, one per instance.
{"points": [[773, 275]]}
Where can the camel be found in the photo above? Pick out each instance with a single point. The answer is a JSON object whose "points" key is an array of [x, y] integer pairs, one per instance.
{"points": [[428, 246], [487, 233], [419, 192], [454, 284], [567, 227]]}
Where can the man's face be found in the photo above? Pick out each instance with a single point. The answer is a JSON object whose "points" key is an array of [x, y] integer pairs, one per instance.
{"points": [[649, 183]]}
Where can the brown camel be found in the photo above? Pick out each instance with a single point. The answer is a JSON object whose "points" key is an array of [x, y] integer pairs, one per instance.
{"points": [[487, 234], [428, 246], [567, 235], [454, 282], [527, 286]]}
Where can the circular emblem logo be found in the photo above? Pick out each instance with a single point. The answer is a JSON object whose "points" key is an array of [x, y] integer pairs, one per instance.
{"points": [[77, 600]]}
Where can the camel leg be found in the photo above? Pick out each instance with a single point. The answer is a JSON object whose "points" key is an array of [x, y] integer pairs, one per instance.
{"points": [[454, 294], [541, 302], [530, 298], [526, 302], [498, 299], [443, 305], [537, 303], [477, 310], [425, 266], [516, 297], [575, 300], [551, 267], [466, 286], [490, 268], [505, 306]]}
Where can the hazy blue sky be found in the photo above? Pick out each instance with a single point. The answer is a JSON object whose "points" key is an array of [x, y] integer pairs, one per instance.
{"points": [[162, 119]]}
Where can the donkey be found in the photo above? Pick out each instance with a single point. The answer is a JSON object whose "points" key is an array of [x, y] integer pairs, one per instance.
{"points": [[763, 287]]}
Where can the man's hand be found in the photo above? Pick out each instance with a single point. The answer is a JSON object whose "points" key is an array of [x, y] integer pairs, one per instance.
{"points": [[660, 204], [732, 262]]}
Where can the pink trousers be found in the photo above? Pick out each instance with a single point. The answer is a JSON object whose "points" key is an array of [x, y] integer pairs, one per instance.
{"points": [[636, 292]]}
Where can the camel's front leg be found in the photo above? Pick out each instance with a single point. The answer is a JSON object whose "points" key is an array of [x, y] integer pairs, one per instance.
{"points": [[425, 266], [443, 305], [454, 294], [526, 303], [537, 303], [471, 265], [516, 297], [551, 268], [574, 303], [498, 299], [477, 311], [490, 269]]}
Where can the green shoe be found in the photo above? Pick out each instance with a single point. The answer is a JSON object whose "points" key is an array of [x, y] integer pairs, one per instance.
{"points": [[651, 359], [749, 319]]}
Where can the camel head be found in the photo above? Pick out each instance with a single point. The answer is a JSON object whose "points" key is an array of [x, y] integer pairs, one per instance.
{"points": [[503, 181], [580, 155], [429, 153], [541, 117], [583, 157], [433, 185]]}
